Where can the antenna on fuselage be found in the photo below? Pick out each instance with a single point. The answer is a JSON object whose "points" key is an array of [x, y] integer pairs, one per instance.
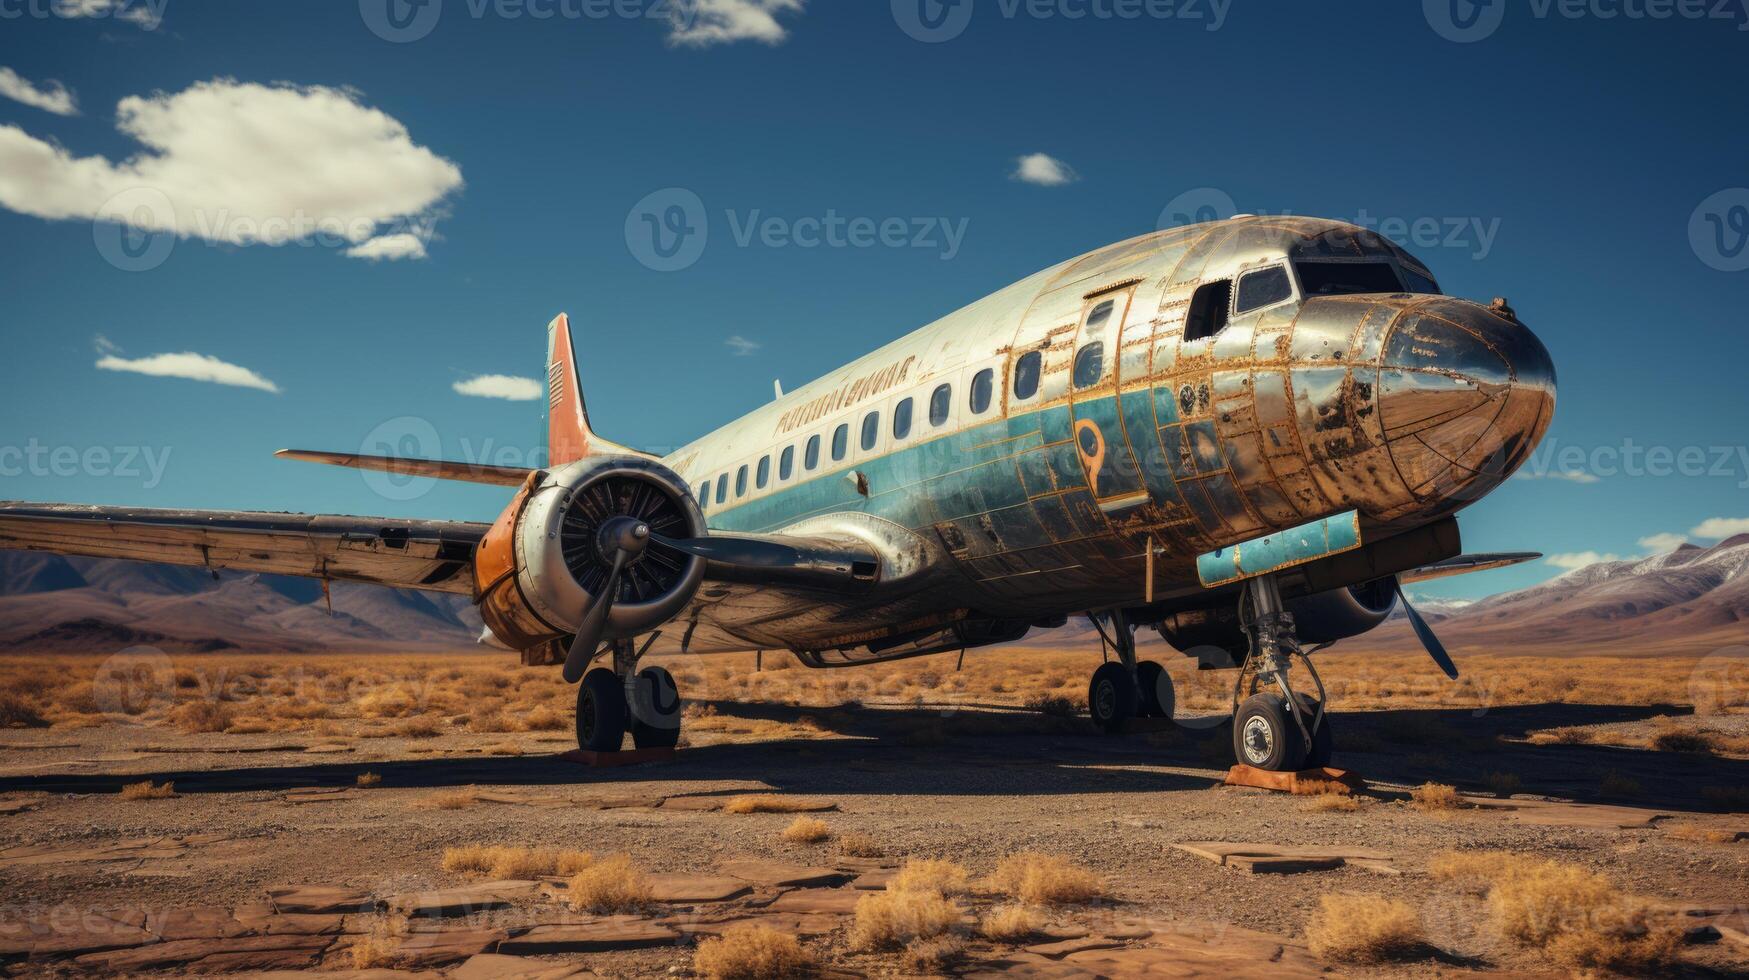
{"points": [[776, 389]]}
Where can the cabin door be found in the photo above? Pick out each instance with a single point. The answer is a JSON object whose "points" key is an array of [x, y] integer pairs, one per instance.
{"points": [[1095, 420]]}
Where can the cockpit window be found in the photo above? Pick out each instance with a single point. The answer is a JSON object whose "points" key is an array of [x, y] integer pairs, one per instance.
{"points": [[1265, 287], [1208, 310], [1418, 283], [1342, 278]]}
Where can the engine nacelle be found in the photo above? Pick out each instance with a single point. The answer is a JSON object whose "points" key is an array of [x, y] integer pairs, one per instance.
{"points": [[542, 565], [1320, 618]]}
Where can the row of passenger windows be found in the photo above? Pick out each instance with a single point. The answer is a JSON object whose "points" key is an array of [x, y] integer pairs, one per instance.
{"points": [[940, 405]]}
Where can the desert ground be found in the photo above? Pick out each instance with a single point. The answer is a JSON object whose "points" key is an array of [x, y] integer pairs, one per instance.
{"points": [[402, 815]]}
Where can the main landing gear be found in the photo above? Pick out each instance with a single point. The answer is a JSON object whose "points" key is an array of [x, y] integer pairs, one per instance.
{"points": [[1279, 730], [611, 703], [1124, 688]]}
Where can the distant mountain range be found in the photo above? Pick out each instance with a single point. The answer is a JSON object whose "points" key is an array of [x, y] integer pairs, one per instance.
{"points": [[51, 603]]}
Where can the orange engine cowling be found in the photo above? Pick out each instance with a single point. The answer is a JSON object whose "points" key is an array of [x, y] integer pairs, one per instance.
{"points": [[541, 566]]}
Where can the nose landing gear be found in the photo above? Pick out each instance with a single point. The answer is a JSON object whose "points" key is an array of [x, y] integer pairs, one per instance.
{"points": [[1278, 730]]}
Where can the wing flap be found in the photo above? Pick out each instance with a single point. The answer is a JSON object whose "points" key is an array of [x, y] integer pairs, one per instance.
{"points": [[431, 555]]}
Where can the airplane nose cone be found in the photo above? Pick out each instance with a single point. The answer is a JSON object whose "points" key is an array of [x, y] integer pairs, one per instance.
{"points": [[1465, 393]]}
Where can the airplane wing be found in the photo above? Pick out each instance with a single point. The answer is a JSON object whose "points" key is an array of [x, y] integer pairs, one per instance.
{"points": [[432, 555], [1464, 564], [436, 469]]}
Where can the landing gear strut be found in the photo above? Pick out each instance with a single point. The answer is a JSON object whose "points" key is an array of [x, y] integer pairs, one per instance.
{"points": [[1125, 688], [612, 702], [1279, 730]]}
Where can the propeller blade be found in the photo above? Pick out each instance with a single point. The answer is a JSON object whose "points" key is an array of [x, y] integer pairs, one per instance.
{"points": [[734, 551], [588, 637], [1424, 633]]}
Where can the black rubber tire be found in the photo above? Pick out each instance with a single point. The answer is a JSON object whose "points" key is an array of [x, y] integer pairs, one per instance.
{"points": [[1265, 736], [1323, 740], [655, 710], [1159, 700], [601, 711], [1112, 696]]}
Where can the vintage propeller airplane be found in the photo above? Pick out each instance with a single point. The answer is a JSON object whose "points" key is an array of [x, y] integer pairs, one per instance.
{"points": [[1247, 434]]}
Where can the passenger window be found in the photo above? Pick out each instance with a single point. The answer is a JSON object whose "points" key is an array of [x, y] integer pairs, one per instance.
{"points": [[840, 442], [786, 463], [763, 475], [871, 430], [811, 455], [1089, 364], [1208, 310], [704, 493], [1100, 314], [902, 419], [1265, 287], [982, 383], [1026, 374], [741, 482], [939, 404], [722, 488]]}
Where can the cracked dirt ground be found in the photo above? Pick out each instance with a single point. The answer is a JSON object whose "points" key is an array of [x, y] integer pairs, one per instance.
{"points": [[95, 882]]}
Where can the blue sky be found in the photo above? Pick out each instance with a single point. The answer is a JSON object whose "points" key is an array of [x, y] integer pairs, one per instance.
{"points": [[1588, 167]]}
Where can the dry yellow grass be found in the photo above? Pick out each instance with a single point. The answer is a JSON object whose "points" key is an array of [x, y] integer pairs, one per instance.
{"points": [[1434, 796], [612, 884], [893, 919], [855, 844], [1577, 917], [453, 799], [503, 748], [1332, 802], [1363, 929], [499, 861], [751, 952], [933, 955], [766, 804], [418, 726], [1045, 879], [1009, 924], [201, 717], [148, 791], [379, 947], [1699, 834], [930, 874], [807, 830], [366, 780]]}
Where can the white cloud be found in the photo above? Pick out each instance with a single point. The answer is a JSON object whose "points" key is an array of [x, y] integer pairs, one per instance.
{"points": [[740, 346], [701, 23], [1720, 527], [194, 367], [1575, 476], [1044, 170], [505, 386], [147, 14], [240, 163], [401, 245], [50, 96], [1663, 541], [1579, 559]]}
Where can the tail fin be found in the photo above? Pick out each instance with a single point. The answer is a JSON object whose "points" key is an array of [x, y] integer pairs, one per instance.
{"points": [[569, 437]]}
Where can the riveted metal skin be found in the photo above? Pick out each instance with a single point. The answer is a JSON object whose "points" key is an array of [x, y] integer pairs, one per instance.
{"points": [[1403, 405]]}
